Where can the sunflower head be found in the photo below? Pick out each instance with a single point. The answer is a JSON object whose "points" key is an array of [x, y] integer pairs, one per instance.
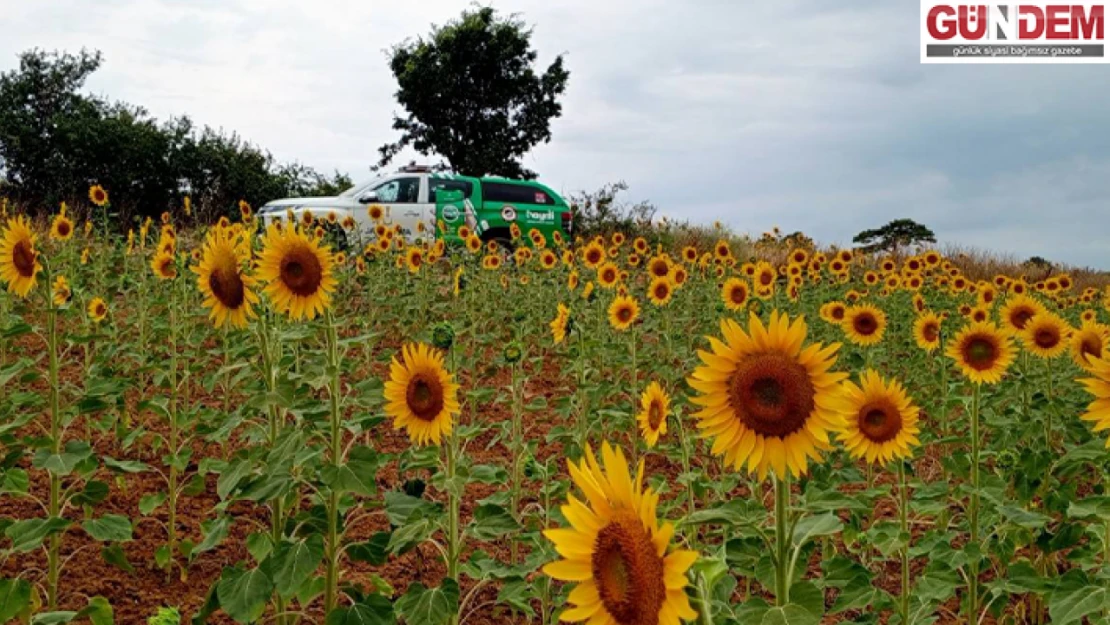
{"points": [[297, 272], [982, 351], [1091, 341], [61, 228], [926, 331], [615, 550], [655, 406], [880, 419], [735, 293], [97, 195], [61, 292], [660, 291], [1046, 335], [560, 324], [164, 265], [623, 312], [224, 281], [19, 261], [1098, 385], [864, 324], [421, 396], [767, 399], [97, 310]]}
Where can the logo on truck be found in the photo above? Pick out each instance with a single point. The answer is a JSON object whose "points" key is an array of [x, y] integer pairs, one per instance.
{"points": [[450, 213], [541, 216]]}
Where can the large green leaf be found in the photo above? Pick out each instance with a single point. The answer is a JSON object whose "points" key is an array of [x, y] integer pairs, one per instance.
{"points": [[215, 531], [110, 527], [243, 594], [28, 534], [15, 595], [811, 527], [790, 614], [401, 508], [1073, 605], [491, 521], [292, 563], [372, 610], [429, 606], [62, 463]]}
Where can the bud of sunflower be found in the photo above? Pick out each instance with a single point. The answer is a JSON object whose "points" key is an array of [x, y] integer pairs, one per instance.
{"points": [[443, 335], [512, 353]]}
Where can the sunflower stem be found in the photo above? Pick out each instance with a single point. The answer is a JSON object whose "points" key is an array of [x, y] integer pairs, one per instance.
{"points": [[782, 540], [53, 564], [903, 519], [518, 452], [632, 431], [171, 525], [335, 456], [973, 508], [277, 520]]}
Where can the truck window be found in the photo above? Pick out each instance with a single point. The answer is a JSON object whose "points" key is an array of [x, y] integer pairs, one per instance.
{"points": [[450, 185], [399, 191], [515, 194]]}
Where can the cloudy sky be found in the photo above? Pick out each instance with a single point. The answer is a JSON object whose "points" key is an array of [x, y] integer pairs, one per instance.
{"points": [[807, 114]]}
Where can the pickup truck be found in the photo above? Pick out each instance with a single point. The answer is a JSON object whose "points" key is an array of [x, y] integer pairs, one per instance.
{"points": [[416, 195]]}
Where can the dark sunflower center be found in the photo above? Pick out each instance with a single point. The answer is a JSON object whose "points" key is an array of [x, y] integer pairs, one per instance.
{"points": [[879, 421], [981, 352], [765, 278], [1091, 346], [227, 286], [593, 256], [609, 276], [624, 314], [659, 269], [628, 572], [838, 313], [1020, 317], [737, 295], [100, 310], [772, 394], [865, 324], [301, 272], [930, 331], [655, 414], [167, 268], [23, 256], [1046, 338], [63, 228], [662, 291], [424, 396]]}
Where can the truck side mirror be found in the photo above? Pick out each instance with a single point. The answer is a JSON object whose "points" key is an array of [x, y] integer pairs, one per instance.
{"points": [[368, 197]]}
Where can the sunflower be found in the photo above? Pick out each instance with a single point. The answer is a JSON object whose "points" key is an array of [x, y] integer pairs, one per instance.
{"points": [[764, 277], [164, 265], [735, 293], [660, 291], [97, 195], [982, 351], [587, 291], [679, 275], [880, 419], [98, 310], [421, 396], [616, 551], [833, 312], [572, 280], [61, 228], [926, 331], [690, 254], [297, 272], [1046, 335], [548, 259], [414, 259], [864, 324], [1018, 310], [223, 280], [593, 255], [1090, 341], [61, 291], [659, 267], [608, 275], [655, 406], [623, 312], [19, 262], [767, 398], [560, 323], [640, 245]]}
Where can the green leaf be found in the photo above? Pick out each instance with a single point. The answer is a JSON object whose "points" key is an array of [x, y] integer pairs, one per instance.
{"points": [[375, 551], [99, 611], [215, 531], [790, 614], [491, 521], [811, 527], [28, 534], [62, 464], [94, 492], [429, 606], [1088, 507], [1023, 517], [260, 545], [53, 618], [110, 527], [243, 594], [294, 562], [373, 610], [15, 595], [113, 554], [15, 481], [401, 508], [150, 503], [125, 466], [1071, 606]]}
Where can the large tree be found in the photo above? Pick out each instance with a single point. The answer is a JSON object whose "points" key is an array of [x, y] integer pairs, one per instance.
{"points": [[472, 95], [896, 234]]}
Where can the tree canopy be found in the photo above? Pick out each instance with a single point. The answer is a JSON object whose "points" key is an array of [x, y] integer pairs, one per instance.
{"points": [[896, 234], [472, 95], [56, 141]]}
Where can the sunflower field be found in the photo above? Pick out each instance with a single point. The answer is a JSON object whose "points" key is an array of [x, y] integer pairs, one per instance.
{"points": [[244, 423]]}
